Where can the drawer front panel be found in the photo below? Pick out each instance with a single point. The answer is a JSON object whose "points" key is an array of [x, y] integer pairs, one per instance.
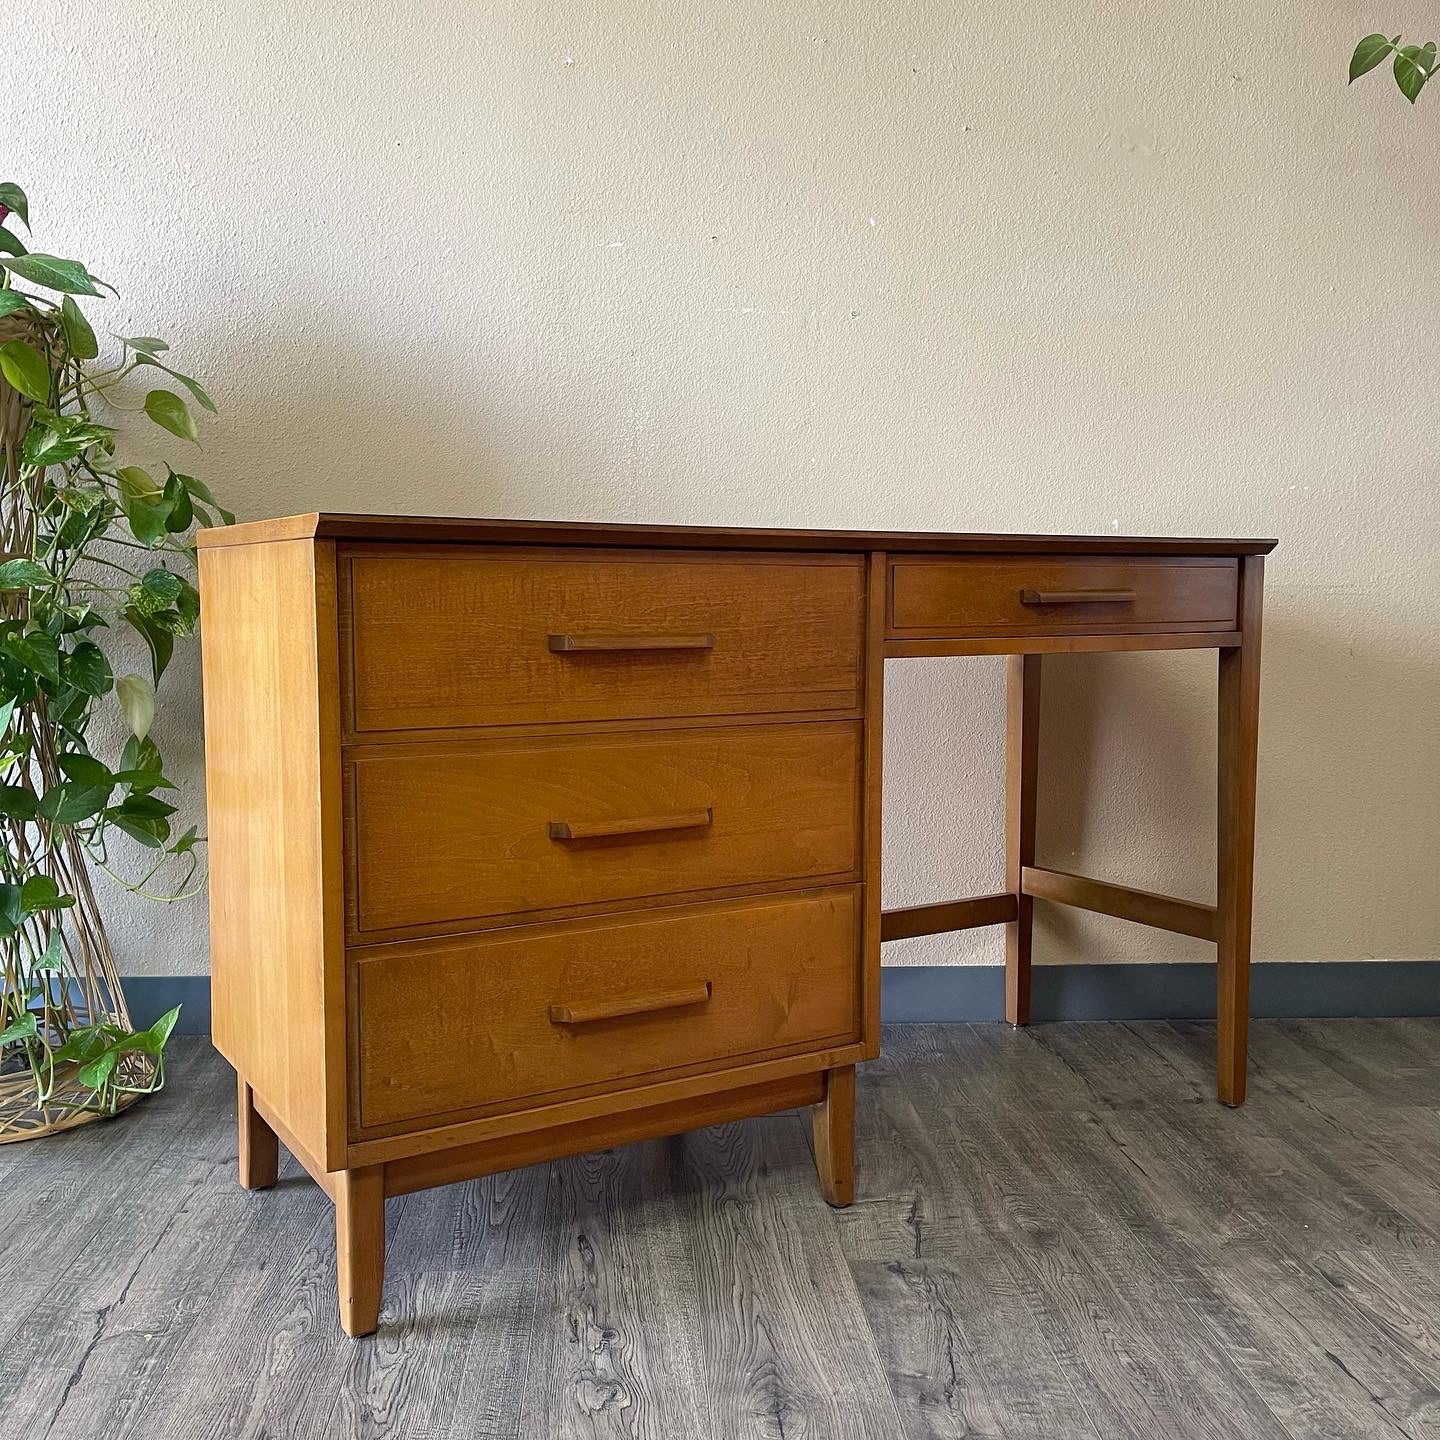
{"points": [[445, 834], [1039, 596], [451, 639], [464, 1024]]}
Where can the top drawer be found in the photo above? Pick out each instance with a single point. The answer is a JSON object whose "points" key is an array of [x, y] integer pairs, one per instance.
{"points": [[1024, 595], [441, 638]]}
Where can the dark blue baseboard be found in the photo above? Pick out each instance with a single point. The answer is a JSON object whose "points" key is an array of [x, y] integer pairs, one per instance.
{"points": [[1330, 990], [1334, 989], [150, 996]]}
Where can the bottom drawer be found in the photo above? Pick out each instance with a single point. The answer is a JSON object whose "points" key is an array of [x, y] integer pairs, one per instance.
{"points": [[476, 1022]]}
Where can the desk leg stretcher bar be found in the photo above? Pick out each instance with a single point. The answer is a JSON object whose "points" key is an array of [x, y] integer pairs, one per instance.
{"points": [[1226, 924]]}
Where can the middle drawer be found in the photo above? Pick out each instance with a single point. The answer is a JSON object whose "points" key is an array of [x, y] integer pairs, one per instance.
{"points": [[442, 835]]}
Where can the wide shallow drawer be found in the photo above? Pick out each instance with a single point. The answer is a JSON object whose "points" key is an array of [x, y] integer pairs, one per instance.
{"points": [[450, 638], [481, 1021], [449, 833], [1024, 595]]}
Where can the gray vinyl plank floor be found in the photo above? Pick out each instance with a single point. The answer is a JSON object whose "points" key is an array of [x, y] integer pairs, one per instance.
{"points": [[1057, 1233]]}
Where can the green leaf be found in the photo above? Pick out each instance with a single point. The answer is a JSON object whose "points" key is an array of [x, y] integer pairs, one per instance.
{"points": [[168, 602], [1425, 61], [68, 712], [156, 590], [186, 843], [11, 909], [195, 388], [160, 641], [137, 701], [44, 446], [161, 1029], [95, 1073], [88, 514], [147, 522], [201, 491], [171, 413], [145, 510], [69, 804], [18, 803], [54, 438], [1369, 53], [84, 769], [24, 575], [36, 651], [182, 512], [78, 334], [1412, 69], [12, 197], [87, 669], [187, 608], [144, 344], [83, 1043], [25, 368], [152, 1041], [11, 301], [143, 780], [141, 767], [53, 955], [69, 277], [138, 482], [40, 892], [21, 1029], [150, 833], [141, 755], [145, 807], [10, 243]]}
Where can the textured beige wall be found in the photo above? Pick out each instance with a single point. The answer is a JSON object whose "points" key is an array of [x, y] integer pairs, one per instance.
{"points": [[1138, 267]]}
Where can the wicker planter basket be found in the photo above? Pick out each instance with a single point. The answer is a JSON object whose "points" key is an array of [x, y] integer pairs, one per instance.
{"points": [[83, 988]]}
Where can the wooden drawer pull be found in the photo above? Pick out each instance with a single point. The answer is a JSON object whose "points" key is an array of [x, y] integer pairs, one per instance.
{"points": [[1077, 597], [631, 1005], [579, 644], [640, 825]]}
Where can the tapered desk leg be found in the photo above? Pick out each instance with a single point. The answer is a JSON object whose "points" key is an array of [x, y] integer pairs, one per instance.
{"points": [[1022, 753], [1235, 848], [259, 1147], [834, 1123], [360, 1246]]}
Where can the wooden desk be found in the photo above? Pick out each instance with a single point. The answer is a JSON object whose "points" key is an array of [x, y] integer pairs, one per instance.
{"points": [[533, 838]]}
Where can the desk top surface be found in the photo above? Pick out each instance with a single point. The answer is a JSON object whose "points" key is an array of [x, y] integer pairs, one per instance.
{"points": [[417, 528]]}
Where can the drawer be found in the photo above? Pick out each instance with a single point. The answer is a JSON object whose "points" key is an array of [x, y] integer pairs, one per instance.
{"points": [[451, 638], [1022, 595], [551, 1010], [450, 833]]}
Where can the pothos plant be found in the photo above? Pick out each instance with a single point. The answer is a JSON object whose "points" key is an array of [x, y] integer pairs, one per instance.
{"points": [[92, 547], [1412, 68]]}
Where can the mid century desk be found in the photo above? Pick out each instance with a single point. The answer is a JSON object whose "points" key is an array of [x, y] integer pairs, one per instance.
{"points": [[533, 838]]}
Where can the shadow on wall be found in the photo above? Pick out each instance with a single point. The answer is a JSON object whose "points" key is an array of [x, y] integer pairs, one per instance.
{"points": [[1346, 867]]}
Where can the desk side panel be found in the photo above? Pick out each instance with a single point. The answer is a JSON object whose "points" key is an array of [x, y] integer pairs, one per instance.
{"points": [[876, 610], [270, 664]]}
